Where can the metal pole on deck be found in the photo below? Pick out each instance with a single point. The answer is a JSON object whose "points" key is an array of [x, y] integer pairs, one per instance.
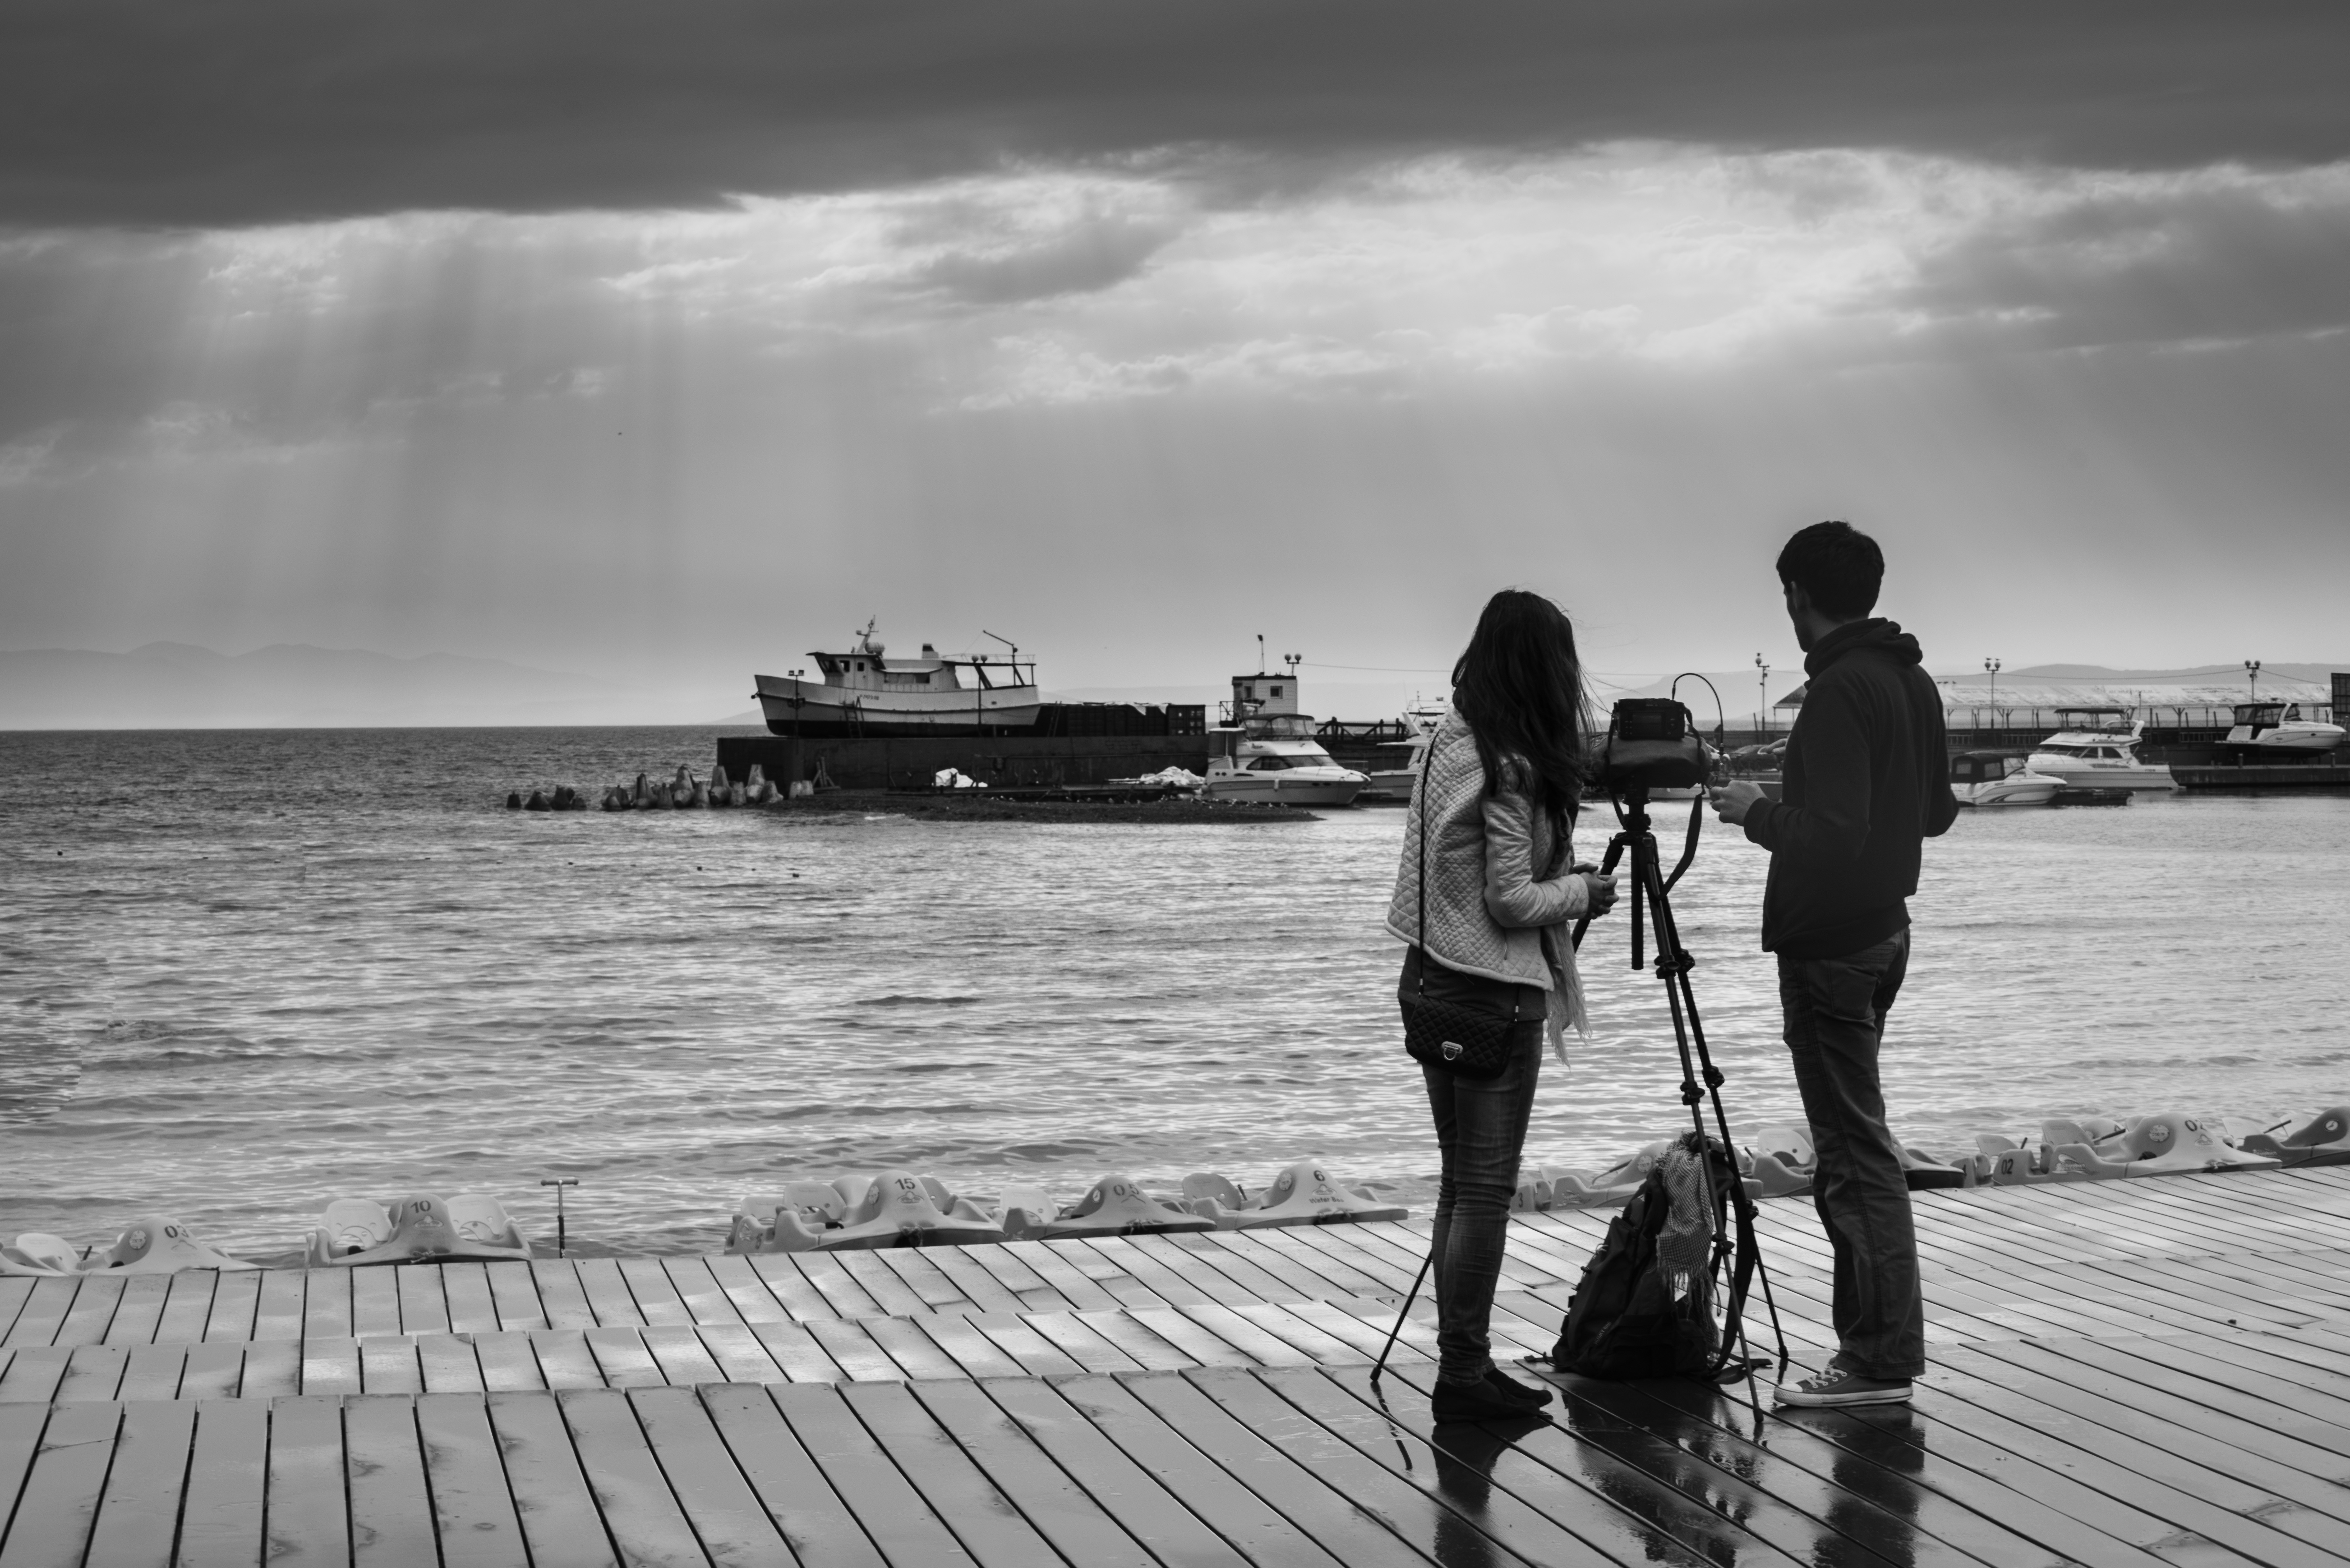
{"points": [[562, 1238]]}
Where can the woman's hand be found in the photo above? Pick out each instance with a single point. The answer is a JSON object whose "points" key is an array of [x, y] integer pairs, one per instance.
{"points": [[1600, 892]]}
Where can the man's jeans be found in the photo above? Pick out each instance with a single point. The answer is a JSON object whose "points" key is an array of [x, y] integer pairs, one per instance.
{"points": [[1836, 1012], [1480, 1125]]}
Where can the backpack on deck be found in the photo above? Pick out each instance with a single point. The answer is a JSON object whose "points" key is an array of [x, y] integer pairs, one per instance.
{"points": [[1643, 1307]]}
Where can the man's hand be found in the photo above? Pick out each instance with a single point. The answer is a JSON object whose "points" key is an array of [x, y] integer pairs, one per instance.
{"points": [[1733, 800]]}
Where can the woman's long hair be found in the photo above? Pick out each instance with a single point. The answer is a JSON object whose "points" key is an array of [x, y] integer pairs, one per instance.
{"points": [[1519, 686]]}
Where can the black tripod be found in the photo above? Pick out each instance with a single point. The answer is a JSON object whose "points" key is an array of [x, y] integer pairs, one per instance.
{"points": [[1740, 1260]]}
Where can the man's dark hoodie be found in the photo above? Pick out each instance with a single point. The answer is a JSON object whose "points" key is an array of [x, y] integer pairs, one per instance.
{"points": [[1867, 780]]}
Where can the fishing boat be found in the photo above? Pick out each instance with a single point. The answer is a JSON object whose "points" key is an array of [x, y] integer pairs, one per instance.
{"points": [[868, 691], [2277, 732], [2096, 748], [1996, 778], [1267, 753]]}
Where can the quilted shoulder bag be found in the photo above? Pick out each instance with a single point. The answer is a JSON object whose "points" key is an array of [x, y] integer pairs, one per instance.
{"points": [[1460, 1037]]}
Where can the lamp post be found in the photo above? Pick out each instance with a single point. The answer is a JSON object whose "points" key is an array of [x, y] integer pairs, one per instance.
{"points": [[1992, 666], [2254, 666], [1761, 695]]}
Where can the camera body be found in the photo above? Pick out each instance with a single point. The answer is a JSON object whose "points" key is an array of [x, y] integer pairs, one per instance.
{"points": [[1651, 743]]}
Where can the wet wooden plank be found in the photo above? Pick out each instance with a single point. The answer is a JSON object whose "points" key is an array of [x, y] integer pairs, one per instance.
{"points": [[153, 1372], [1033, 1291], [982, 1289], [1052, 1265], [391, 1508], [705, 1301], [212, 1371], [470, 1501], [638, 1505], [746, 1292], [331, 1366], [727, 1516], [824, 1271], [561, 1297], [877, 1279], [389, 1366], [20, 1440], [1163, 1283], [558, 1511], [1189, 1472], [186, 1307], [853, 1350], [608, 1292], [796, 1351], [793, 1291], [235, 1301], [44, 1312], [997, 1529], [375, 1299], [62, 1487], [1036, 1354], [657, 1300], [309, 1518], [1257, 1283], [1137, 1344], [1142, 1509], [140, 1311], [326, 1304], [684, 1359], [514, 1290], [894, 1516], [85, 1321], [278, 1314], [272, 1368], [448, 1364], [93, 1374], [972, 1351], [565, 1360], [621, 1356], [915, 1353], [423, 1304], [472, 1307], [220, 1525], [1208, 1350], [139, 1515], [1263, 1349], [1079, 1342], [799, 1502], [741, 1357], [508, 1362], [15, 1290], [929, 1283]]}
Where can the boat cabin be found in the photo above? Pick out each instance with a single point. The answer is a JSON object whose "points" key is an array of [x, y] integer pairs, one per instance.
{"points": [[2267, 715], [2119, 722], [1984, 767], [868, 667]]}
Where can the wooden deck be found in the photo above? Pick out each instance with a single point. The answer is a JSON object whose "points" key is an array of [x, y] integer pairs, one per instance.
{"points": [[2125, 1373]]}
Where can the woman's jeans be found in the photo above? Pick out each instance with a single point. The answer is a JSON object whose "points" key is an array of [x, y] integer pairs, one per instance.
{"points": [[1480, 1125], [1836, 1012]]}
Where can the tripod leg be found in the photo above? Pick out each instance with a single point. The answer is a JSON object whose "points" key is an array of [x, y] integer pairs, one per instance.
{"points": [[1405, 1311]]}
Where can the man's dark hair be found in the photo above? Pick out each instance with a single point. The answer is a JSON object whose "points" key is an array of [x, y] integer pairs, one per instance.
{"points": [[1837, 565]]}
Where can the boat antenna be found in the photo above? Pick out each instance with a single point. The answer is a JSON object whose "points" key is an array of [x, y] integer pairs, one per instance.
{"points": [[1008, 643]]}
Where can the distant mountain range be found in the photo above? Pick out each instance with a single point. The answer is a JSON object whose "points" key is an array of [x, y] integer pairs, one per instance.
{"points": [[174, 685]]}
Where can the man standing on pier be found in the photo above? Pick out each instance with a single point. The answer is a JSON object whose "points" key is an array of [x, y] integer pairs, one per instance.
{"points": [[1866, 782]]}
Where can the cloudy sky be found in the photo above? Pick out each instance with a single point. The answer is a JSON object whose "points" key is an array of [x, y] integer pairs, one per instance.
{"points": [[665, 342]]}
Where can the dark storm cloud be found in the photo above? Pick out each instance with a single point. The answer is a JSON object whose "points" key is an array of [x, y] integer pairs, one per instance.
{"points": [[128, 113]]}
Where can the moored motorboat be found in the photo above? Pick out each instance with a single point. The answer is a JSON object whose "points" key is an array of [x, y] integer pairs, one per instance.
{"points": [[1998, 778], [1268, 753], [2096, 748], [1393, 786], [2276, 731], [865, 691]]}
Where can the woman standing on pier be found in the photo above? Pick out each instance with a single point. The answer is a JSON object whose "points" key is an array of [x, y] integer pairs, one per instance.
{"points": [[1495, 805]]}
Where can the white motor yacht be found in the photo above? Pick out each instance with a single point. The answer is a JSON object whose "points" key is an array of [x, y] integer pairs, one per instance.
{"points": [[1997, 778], [2276, 731], [1268, 751], [2096, 748]]}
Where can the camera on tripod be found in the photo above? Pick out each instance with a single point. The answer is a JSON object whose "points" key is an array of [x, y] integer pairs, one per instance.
{"points": [[1651, 743]]}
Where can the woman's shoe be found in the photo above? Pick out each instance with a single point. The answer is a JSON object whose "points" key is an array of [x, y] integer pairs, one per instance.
{"points": [[1511, 1389], [1480, 1401]]}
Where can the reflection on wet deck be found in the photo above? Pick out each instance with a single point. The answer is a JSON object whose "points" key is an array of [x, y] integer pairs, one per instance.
{"points": [[2135, 1372]]}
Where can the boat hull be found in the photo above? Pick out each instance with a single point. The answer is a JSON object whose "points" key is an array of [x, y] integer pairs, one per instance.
{"points": [[2292, 743], [1283, 789], [2011, 792], [2076, 772], [816, 712]]}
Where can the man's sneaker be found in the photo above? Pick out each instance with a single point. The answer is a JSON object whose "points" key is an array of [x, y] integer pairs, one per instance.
{"points": [[1839, 1387]]}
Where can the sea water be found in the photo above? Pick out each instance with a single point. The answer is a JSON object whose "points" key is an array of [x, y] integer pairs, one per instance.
{"points": [[249, 972]]}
